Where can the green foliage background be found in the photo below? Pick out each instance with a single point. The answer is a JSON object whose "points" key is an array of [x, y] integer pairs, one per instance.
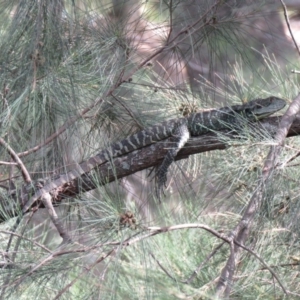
{"points": [[87, 67]]}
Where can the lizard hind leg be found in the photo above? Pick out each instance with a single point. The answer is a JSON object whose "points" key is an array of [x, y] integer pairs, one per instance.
{"points": [[180, 137]]}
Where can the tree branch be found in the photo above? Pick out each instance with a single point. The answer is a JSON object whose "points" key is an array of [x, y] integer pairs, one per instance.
{"points": [[17, 159], [242, 230], [131, 163]]}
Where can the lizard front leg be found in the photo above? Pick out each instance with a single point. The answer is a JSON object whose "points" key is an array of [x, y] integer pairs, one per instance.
{"points": [[181, 135]]}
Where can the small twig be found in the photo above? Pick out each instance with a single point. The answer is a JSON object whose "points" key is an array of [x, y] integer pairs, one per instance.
{"points": [[17, 159], [128, 242], [195, 273], [62, 129], [15, 251], [281, 265], [156, 230], [289, 25], [162, 267], [46, 199], [227, 281], [263, 263], [171, 20], [295, 71], [13, 229], [7, 179], [6, 163], [86, 270], [27, 239], [288, 161], [130, 112]]}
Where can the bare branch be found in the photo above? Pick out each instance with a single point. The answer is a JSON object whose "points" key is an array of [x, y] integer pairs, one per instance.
{"points": [[6, 163], [46, 199], [289, 25], [241, 232], [17, 159], [138, 160], [130, 241]]}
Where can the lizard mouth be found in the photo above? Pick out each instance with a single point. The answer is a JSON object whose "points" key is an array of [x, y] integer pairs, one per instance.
{"points": [[260, 111]]}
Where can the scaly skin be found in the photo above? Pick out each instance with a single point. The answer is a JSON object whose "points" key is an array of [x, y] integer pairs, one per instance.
{"points": [[181, 129]]}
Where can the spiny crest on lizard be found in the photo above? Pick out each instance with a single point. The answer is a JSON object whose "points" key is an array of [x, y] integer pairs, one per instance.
{"points": [[227, 117]]}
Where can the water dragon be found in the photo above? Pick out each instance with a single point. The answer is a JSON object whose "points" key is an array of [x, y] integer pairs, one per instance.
{"points": [[180, 129]]}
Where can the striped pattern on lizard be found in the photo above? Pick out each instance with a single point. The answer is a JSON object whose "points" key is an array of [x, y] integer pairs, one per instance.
{"points": [[181, 129]]}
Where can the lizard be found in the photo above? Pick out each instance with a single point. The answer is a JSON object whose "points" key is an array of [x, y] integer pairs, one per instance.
{"points": [[180, 129]]}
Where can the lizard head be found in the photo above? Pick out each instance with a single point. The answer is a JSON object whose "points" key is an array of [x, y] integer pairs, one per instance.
{"points": [[261, 108]]}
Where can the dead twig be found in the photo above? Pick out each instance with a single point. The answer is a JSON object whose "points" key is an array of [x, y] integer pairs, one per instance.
{"points": [[6, 163], [46, 199], [289, 25], [17, 159]]}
